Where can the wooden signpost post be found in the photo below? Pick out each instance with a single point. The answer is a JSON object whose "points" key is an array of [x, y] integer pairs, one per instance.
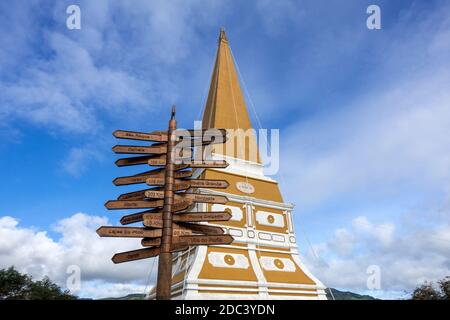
{"points": [[168, 224]]}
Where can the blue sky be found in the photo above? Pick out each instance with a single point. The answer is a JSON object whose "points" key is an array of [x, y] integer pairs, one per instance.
{"points": [[364, 118]]}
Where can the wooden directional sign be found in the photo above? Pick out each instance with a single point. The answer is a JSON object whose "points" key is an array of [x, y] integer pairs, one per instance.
{"points": [[202, 228], [161, 161], [139, 160], [137, 217], [127, 232], [159, 148], [195, 197], [134, 232], [208, 164], [178, 185], [158, 160], [175, 247], [142, 177], [135, 204], [208, 183], [205, 240], [193, 183], [135, 195], [202, 216], [155, 219], [152, 241], [135, 255], [206, 198], [151, 136], [195, 240], [178, 205]]}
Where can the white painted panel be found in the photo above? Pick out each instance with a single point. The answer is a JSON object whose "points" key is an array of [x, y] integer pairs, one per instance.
{"points": [[264, 236], [228, 260], [245, 187], [235, 232], [277, 264], [236, 212], [278, 238], [270, 219]]}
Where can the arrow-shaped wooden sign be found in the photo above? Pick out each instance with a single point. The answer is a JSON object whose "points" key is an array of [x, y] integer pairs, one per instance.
{"points": [[135, 255], [195, 197], [175, 247], [140, 160], [135, 204], [133, 135], [159, 148], [137, 217], [135, 232], [198, 197], [127, 232], [160, 160], [202, 216], [178, 205], [154, 220], [135, 195], [201, 228], [178, 185], [142, 177], [195, 240], [206, 240], [193, 183], [191, 163]]}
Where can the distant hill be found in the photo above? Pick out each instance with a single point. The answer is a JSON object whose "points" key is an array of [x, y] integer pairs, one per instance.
{"points": [[133, 296], [346, 295], [338, 295]]}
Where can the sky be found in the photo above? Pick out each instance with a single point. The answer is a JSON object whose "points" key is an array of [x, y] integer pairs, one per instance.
{"points": [[364, 120]]}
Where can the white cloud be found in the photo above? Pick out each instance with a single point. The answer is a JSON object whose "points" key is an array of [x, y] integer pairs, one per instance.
{"points": [[36, 253], [74, 81], [407, 259], [64, 91], [78, 159]]}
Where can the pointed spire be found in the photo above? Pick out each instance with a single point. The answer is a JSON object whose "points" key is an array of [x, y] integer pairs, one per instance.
{"points": [[225, 106], [222, 35]]}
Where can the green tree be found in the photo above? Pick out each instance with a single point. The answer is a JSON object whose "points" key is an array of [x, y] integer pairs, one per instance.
{"points": [[427, 291], [444, 285], [17, 286], [13, 285]]}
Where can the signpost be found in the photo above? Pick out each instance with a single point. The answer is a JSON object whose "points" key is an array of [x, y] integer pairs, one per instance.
{"points": [[168, 224]]}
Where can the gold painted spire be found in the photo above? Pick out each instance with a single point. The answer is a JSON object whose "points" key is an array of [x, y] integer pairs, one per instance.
{"points": [[225, 106]]}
